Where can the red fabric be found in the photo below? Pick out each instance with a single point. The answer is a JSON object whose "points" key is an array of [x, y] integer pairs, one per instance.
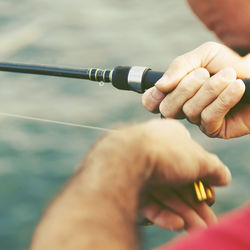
{"points": [[231, 233]]}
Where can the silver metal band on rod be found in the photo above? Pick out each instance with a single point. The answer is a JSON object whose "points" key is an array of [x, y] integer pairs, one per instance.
{"points": [[135, 76]]}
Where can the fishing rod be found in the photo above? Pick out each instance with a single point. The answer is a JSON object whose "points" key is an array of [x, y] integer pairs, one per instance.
{"points": [[135, 78]]}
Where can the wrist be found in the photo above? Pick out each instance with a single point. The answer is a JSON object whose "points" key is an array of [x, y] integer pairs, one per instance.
{"points": [[116, 167]]}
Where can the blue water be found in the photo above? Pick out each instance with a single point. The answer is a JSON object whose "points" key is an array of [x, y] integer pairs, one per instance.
{"points": [[37, 158]]}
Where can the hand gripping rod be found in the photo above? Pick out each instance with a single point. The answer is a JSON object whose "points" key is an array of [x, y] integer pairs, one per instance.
{"points": [[139, 79]]}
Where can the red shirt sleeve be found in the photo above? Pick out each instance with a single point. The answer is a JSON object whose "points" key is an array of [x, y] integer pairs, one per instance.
{"points": [[231, 233]]}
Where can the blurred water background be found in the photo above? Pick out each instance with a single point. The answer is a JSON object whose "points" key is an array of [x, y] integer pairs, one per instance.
{"points": [[37, 158]]}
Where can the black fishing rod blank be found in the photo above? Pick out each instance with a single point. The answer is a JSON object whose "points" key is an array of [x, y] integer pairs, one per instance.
{"points": [[133, 78]]}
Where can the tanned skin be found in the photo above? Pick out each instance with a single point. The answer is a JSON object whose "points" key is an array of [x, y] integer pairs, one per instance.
{"points": [[98, 207], [187, 90], [228, 19]]}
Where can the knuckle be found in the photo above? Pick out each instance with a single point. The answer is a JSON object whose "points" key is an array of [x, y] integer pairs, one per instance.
{"points": [[212, 87], [197, 75], [211, 45], [201, 74], [163, 109], [178, 225], [189, 111], [192, 82], [185, 86], [167, 110], [223, 103], [210, 51], [147, 102], [206, 117], [189, 213]]}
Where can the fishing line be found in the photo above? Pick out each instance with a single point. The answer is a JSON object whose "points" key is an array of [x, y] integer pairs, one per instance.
{"points": [[24, 117]]}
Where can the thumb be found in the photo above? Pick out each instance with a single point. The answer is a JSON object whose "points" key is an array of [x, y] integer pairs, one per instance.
{"points": [[210, 55], [215, 172]]}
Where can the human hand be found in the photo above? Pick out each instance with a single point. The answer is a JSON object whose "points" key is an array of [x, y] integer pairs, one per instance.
{"points": [[157, 160], [208, 102], [229, 19], [167, 162]]}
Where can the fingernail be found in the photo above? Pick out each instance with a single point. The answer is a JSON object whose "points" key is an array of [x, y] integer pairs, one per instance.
{"points": [[162, 81], [157, 94]]}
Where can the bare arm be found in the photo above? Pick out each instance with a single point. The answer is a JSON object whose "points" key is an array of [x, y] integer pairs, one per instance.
{"points": [[97, 209]]}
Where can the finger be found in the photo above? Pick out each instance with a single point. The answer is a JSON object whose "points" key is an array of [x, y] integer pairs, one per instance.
{"points": [[163, 217], [213, 117], [152, 98], [210, 90], [212, 56], [172, 104], [202, 208], [183, 65], [204, 211], [214, 171], [192, 220]]}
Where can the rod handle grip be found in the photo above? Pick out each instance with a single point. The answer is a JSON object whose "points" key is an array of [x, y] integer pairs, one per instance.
{"points": [[151, 77]]}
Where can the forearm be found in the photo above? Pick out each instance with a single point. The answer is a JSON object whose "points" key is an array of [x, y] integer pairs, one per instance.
{"points": [[97, 209]]}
